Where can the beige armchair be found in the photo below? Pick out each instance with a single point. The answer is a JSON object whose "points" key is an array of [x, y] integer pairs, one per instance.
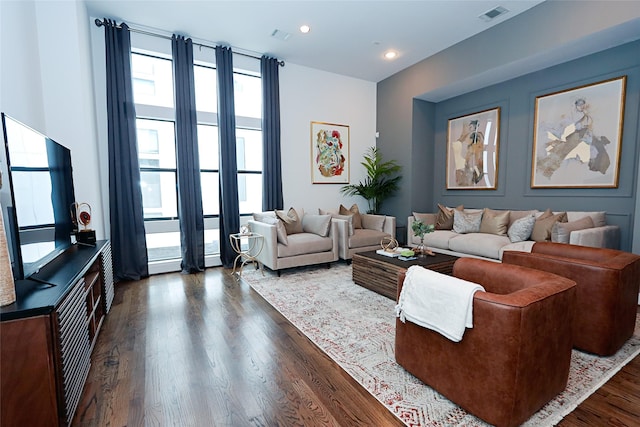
{"points": [[374, 228], [315, 241]]}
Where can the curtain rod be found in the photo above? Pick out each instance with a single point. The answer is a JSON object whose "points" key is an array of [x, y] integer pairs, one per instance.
{"points": [[100, 23]]}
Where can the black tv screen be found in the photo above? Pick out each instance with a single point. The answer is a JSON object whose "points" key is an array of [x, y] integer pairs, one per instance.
{"points": [[36, 196]]}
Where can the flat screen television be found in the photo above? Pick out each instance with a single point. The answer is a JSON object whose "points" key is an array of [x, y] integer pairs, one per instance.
{"points": [[36, 195]]}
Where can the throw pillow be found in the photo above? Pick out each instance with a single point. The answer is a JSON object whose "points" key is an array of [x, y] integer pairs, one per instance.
{"points": [[561, 230], [281, 232], [444, 221], [260, 216], [292, 220], [466, 222], [373, 222], [521, 228], [599, 218], [348, 218], [316, 224], [353, 210], [515, 215], [426, 218], [543, 225], [494, 222]]}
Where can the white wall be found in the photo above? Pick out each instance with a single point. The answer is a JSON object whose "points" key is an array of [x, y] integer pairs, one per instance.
{"points": [[307, 95], [47, 84], [53, 80]]}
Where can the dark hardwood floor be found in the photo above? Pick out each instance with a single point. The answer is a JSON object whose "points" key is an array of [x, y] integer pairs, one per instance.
{"points": [[206, 350]]}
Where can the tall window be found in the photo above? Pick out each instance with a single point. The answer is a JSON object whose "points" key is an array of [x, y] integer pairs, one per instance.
{"points": [[153, 95]]}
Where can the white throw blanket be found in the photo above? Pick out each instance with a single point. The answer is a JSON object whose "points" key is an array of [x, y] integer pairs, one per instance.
{"points": [[436, 301]]}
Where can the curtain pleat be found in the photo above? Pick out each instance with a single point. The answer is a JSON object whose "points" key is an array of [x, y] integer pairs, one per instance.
{"points": [[229, 205], [129, 247], [188, 163], [272, 197]]}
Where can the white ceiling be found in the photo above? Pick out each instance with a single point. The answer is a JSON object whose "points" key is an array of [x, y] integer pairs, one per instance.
{"points": [[347, 37]]}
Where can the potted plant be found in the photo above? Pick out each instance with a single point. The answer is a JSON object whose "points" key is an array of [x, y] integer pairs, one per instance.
{"points": [[419, 228], [381, 181]]}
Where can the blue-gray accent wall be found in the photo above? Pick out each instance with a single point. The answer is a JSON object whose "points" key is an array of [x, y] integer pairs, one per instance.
{"points": [[424, 158]]}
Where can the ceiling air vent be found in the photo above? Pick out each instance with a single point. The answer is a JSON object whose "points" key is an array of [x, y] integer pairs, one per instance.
{"points": [[493, 13], [280, 35]]}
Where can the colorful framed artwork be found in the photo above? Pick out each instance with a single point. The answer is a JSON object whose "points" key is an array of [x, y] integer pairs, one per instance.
{"points": [[577, 136], [472, 151], [329, 153]]}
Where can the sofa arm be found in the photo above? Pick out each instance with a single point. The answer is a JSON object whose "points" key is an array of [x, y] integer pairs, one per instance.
{"points": [[335, 237], [340, 227], [269, 254], [390, 226], [607, 236]]}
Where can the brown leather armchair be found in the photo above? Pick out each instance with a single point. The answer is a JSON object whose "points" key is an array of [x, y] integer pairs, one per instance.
{"points": [[607, 290], [517, 355]]}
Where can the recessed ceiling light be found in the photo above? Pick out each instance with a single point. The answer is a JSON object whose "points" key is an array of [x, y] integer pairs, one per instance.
{"points": [[304, 29], [390, 54]]}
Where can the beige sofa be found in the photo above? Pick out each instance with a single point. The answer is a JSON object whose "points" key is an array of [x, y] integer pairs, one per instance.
{"points": [[310, 239], [362, 233], [496, 233]]}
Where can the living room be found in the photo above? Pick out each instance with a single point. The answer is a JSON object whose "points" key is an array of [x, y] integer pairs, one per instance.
{"points": [[59, 82], [62, 82]]}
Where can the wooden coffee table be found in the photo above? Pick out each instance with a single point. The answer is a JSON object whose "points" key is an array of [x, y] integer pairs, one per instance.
{"points": [[379, 273]]}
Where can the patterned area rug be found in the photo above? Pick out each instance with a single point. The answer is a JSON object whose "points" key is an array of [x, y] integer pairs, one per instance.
{"points": [[356, 328]]}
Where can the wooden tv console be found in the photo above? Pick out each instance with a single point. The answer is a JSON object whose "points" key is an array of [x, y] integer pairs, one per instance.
{"points": [[48, 334]]}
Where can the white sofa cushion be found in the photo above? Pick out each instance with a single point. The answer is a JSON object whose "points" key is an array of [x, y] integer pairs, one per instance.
{"points": [[373, 222], [366, 237], [304, 243], [316, 224], [480, 244], [439, 238]]}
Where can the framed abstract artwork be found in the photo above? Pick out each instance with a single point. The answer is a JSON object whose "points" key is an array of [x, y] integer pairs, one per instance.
{"points": [[472, 151], [329, 153], [577, 136]]}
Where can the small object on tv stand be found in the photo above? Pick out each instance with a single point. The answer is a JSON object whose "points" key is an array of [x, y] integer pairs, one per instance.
{"points": [[86, 237]]}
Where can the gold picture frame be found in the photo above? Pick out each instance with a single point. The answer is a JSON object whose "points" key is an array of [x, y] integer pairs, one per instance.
{"points": [[329, 153], [578, 135], [473, 144]]}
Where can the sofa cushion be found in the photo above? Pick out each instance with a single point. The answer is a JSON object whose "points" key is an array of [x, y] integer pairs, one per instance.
{"points": [[270, 218], [561, 230], [544, 223], [479, 244], [521, 228], [353, 210], [494, 222], [439, 238], [427, 218], [316, 224], [444, 221], [292, 220], [524, 246], [259, 216], [373, 222], [466, 222], [304, 243], [599, 218], [366, 237], [281, 232], [336, 215], [516, 215]]}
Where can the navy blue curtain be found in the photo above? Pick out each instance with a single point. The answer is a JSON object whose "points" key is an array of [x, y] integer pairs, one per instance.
{"points": [[271, 165], [188, 163], [229, 205], [129, 247]]}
